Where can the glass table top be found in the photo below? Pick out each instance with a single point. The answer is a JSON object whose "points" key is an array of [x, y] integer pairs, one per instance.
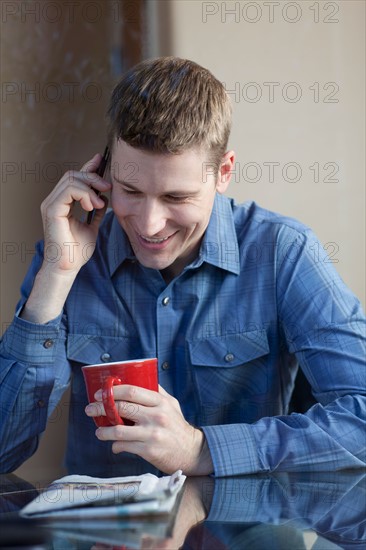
{"points": [[302, 511]]}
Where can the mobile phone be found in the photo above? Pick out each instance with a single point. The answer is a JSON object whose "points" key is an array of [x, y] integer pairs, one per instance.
{"points": [[100, 171]]}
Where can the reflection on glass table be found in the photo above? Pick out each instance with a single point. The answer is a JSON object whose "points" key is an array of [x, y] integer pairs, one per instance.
{"points": [[323, 511]]}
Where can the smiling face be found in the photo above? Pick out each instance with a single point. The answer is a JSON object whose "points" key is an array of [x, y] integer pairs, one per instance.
{"points": [[164, 203]]}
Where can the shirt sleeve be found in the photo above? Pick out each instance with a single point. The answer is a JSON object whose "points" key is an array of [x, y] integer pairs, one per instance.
{"points": [[322, 323], [30, 385], [330, 504]]}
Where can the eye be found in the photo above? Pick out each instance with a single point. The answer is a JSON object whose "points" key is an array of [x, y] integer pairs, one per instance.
{"points": [[176, 198], [130, 191]]}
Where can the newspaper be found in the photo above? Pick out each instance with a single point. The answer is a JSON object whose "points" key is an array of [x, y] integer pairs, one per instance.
{"points": [[84, 497]]}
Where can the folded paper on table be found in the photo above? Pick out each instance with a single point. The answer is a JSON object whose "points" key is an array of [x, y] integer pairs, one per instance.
{"points": [[78, 496]]}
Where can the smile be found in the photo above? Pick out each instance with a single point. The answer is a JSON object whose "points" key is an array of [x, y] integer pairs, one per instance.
{"points": [[154, 241]]}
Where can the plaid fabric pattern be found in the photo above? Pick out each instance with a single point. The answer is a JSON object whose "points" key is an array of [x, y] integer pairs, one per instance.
{"points": [[261, 299]]}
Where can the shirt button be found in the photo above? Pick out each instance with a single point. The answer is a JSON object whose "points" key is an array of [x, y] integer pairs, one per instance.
{"points": [[165, 365], [165, 301], [229, 357], [48, 343], [105, 357], [41, 403]]}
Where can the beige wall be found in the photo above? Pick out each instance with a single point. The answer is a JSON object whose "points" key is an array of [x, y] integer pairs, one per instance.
{"points": [[322, 130], [57, 73]]}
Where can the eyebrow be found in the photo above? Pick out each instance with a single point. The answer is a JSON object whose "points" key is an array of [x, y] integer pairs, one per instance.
{"points": [[175, 193], [125, 183], [122, 182]]}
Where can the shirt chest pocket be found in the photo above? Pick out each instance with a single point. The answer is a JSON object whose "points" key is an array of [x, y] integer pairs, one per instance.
{"points": [[83, 349], [88, 349], [229, 368]]}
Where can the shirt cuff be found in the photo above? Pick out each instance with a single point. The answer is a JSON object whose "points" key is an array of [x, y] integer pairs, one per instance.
{"points": [[236, 498], [31, 342], [233, 449]]}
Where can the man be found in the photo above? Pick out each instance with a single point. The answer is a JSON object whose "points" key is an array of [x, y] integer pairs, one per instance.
{"points": [[230, 298]]}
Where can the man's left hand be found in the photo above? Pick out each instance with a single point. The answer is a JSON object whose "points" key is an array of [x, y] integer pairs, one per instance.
{"points": [[160, 433]]}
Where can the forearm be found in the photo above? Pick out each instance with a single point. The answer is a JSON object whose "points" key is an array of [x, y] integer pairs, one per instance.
{"points": [[24, 413], [324, 439], [48, 295], [30, 386]]}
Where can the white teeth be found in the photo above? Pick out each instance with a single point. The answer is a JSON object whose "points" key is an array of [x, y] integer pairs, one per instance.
{"points": [[155, 241]]}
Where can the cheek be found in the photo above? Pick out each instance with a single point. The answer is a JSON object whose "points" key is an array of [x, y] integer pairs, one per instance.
{"points": [[184, 219], [119, 204], [192, 226], [114, 201]]}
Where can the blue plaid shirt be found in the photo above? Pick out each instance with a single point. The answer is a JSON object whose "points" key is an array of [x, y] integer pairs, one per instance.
{"points": [[229, 332]]}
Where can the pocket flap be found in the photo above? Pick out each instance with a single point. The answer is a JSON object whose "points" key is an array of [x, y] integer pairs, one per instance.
{"points": [[229, 350], [90, 349]]}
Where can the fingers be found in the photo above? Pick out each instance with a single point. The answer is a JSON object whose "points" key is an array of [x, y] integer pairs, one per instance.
{"points": [[139, 405], [130, 411], [122, 433], [86, 181], [99, 212], [135, 394], [69, 190], [95, 409], [77, 186], [134, 439], [92, 164]]}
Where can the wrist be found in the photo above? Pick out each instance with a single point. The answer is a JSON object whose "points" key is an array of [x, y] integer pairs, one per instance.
{"points": [[52, 271], [48, 295], [201, 463]]}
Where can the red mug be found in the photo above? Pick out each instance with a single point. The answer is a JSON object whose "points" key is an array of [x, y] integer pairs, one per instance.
{"points": [[137, 372]]}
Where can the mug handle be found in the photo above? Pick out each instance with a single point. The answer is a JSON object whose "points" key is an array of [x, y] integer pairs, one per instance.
{"points": [[108, 400]]}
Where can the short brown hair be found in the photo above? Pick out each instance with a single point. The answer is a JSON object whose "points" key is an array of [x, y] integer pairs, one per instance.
{"points": [[169, 105]]}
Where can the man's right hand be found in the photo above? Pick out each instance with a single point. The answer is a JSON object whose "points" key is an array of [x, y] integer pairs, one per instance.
{"points": [[68, 242]]}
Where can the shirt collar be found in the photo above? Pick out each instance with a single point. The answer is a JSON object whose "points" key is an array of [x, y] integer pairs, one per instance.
{"points": [[220, 243], [118, 248], [219, 246]]}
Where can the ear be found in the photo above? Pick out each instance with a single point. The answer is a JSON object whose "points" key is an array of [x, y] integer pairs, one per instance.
{"points": [[225, 170]]}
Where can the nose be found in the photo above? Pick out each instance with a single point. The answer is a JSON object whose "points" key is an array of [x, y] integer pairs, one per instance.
{"points": [[153, 217]]}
